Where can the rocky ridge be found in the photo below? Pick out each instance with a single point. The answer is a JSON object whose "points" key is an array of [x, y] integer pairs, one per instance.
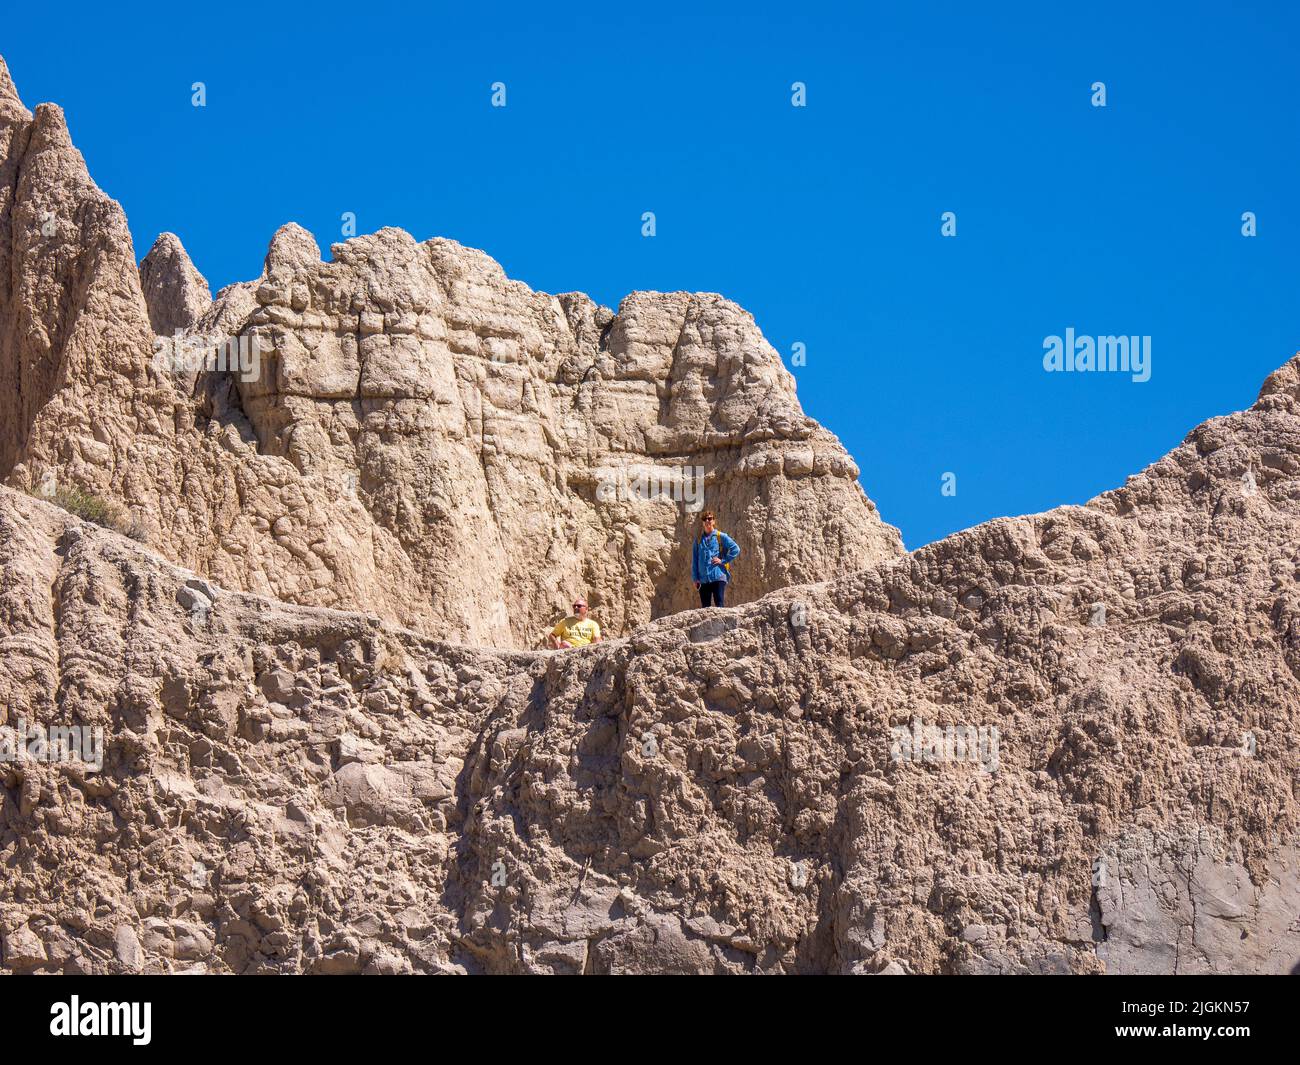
{"points": [[304, 790]]}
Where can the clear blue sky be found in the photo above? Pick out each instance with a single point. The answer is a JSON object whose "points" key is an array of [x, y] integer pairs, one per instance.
{"points": [[924, 353]]}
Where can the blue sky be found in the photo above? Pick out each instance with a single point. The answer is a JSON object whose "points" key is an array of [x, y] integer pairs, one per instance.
{"points": [[924, 353]]}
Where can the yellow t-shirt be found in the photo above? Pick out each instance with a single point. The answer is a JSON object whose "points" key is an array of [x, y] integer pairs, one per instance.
{"points": [[578, 633]]}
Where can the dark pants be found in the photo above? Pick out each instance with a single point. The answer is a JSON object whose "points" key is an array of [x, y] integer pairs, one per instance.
{"points": [[715, 591]]}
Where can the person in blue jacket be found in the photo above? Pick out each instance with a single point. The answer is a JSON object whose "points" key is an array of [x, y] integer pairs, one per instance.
{"points": [[712, 553]]}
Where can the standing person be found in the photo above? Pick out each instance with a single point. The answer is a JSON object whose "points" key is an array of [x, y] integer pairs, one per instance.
{"points": [[577, 630], [713, 552]]}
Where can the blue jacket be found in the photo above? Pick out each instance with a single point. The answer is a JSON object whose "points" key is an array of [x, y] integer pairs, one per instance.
{"points": [[715, 545]]}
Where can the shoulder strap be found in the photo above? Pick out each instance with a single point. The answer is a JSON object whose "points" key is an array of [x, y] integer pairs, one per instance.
{"points": [[719, 534]]}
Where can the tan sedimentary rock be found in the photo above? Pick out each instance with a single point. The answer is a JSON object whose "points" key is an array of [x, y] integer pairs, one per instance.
{"points": [[175, 293], [73, 334], [414, 434], [302, 790]]}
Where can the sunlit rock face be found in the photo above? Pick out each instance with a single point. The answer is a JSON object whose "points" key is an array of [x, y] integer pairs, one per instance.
{"points": [[403, 429]]}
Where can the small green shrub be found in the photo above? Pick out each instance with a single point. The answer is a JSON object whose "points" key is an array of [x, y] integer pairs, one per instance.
{"points": [[92, 508], [86, 506]]}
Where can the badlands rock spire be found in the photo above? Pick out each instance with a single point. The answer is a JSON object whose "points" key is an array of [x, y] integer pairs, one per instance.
{"points": [[174, 291]]}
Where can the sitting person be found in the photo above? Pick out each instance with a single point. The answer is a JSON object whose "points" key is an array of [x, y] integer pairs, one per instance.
{"points": [[577, 630]]}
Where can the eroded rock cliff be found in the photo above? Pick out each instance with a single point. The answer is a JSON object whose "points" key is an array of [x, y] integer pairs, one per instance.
{"points": [[408, 432], [295, 789]]}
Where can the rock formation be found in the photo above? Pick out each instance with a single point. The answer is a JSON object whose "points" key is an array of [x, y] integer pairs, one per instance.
{"points": [[410, 432], [175, 293], [295, 789], [1058, 743]]}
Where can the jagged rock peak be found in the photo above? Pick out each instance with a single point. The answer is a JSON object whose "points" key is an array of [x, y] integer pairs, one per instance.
{"points": [[176, 294], [9, 99], [292, 246]]}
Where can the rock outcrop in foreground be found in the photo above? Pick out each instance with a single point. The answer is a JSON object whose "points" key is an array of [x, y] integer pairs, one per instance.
{"points": [[305, 790], [402, 430], [1059, 743]]}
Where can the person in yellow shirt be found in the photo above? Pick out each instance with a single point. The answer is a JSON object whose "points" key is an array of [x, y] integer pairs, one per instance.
{"points": [[577, 630]]}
